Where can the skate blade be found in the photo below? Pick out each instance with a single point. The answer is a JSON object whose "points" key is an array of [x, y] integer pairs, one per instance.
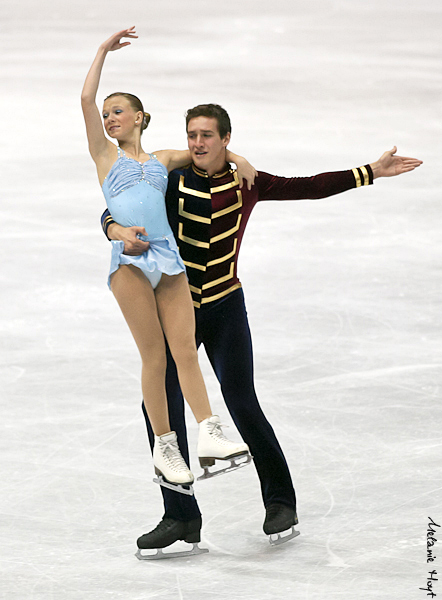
{"points": [[281, 538], [176, 487], [160, 555], [236, 462]]}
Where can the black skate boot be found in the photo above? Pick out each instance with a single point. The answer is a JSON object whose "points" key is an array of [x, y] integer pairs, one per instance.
{"points": [[280, 518], [167, 532]]}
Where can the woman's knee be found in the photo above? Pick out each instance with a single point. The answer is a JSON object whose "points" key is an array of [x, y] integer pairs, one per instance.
{"points": [[184, 353], [154, 361]]}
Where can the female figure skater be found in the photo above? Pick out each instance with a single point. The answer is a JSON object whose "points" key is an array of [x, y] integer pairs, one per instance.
{"points": [[151, 289]]}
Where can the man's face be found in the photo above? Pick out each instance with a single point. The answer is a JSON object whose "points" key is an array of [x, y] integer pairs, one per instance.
{"points": [[207, 148]]}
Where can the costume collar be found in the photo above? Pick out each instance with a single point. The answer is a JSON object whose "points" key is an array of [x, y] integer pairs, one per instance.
{"points": [[202, 173]]}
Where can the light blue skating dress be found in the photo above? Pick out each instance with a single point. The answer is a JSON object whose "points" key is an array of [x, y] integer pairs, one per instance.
{"points": [[135, 195]]}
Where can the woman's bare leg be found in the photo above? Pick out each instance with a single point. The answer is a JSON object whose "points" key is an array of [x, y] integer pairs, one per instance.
{"points": [[136, 298], [176, 313]]}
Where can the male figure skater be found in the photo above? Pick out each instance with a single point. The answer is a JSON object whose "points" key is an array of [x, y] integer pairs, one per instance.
{"points": [[208, 213]]}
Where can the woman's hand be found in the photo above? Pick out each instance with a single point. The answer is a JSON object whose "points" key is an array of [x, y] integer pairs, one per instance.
{"points": [[114, 42], [245, 171]]}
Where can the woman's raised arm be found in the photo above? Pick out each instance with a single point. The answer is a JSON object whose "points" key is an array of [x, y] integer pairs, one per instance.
{"points": [[98, 143]]}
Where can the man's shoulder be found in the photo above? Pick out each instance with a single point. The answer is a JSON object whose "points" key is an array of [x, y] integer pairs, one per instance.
{"points": [[176, 173], [175, 176], [186, 178]]}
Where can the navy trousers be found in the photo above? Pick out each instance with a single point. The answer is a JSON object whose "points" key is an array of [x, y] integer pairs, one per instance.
{"points": [[223, 328]]}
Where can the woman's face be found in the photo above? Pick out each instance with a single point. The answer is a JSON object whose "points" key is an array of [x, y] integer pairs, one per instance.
{"points": [[119, 117]]}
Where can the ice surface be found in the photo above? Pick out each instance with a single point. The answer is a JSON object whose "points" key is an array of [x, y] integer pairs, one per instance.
{"points": [[343, 297]]}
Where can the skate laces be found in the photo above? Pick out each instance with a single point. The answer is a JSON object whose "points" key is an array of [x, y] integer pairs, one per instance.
{"points": [[172, 456], [273, 510], [163, 525], [215, 431]]}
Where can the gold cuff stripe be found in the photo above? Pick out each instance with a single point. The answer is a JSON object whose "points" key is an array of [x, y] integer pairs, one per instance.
{"points": [[357, 177], [189, 240], [220, 295], [215, 282], [185, 190], [191, 216], [221, 236], [231, 208], [366, 176], [217, 261]]}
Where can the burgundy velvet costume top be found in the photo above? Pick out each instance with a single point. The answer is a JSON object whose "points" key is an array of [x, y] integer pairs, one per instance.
{"points": [[208, 216]]}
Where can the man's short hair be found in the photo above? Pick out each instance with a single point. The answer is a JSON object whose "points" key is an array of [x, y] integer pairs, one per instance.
{"points": [[214, 111]]}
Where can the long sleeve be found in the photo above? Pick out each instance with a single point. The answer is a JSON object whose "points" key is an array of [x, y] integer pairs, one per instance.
{"points": [[319, 186]]}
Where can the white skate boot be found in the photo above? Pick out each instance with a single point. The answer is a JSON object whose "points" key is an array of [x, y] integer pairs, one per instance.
{"points": [[213, 445], [172, 471]]}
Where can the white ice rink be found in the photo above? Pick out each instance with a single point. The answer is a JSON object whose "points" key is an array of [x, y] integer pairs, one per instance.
{"points": [[344, 299]]}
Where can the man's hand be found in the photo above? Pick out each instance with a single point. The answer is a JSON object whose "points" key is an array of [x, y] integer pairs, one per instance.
{"points": [[390, 165], [133, 246]]}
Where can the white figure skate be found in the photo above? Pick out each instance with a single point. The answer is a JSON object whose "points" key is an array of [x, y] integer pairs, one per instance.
{"points": [[213, 445], [172, 471]]}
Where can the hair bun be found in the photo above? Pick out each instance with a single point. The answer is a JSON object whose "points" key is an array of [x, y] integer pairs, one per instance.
{"points": [[146, 120]]}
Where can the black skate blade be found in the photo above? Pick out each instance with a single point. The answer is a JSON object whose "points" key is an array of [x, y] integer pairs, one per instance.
{"points": [[160, 554], [236, 462], [176, 487], [283, 536]]}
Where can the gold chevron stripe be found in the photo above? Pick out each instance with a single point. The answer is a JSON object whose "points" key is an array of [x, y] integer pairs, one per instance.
{"points": [[220, 295], [217, 261], [226, 186], [195, 265], [191, 216], [221, 236], [231, 208], [185, 190], [194, 289], [189, 240], [221, 279]]}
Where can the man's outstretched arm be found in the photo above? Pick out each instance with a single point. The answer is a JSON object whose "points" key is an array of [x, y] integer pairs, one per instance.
{"points": [[330, 184]]}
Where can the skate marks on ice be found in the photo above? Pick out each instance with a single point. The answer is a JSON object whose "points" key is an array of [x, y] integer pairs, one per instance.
{"points": [[355, 376], [365, 527]]}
